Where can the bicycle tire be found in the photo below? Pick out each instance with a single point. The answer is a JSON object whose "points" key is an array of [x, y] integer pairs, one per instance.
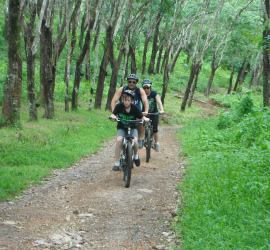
{"points": [[148, 145], [129, 165]]}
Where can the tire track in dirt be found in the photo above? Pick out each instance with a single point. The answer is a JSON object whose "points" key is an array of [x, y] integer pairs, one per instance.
{"points": [[87, 206]]}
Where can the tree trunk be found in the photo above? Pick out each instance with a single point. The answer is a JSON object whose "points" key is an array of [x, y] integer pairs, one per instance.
{"points": [[266, 62], [115, 65], [132, 54], [231, 80], [46, 74], [175, 57], [96, 41], [155, 46], [146, 43], [189, 48], [243, 76], [30, 59], [102, 73], [240, 75], [159, 58], [194, 85], [13, 86], [166, 78], [87, 65], [211, 78], [79, 64], [191, 78]]}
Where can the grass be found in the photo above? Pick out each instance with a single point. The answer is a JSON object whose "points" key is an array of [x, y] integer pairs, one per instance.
{"points": [[226, 191], [30, 153]]}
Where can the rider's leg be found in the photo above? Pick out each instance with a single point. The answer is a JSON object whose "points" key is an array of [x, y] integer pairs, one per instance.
{"points": [[155, 131], [141, 135], [136, 147], [155, 135], [118, 148]]}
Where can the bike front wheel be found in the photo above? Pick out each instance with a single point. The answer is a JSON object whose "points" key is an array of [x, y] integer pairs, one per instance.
{"points": [[148, 145], [128, 166]]}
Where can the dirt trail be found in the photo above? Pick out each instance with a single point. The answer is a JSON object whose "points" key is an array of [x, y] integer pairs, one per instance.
{"points": [[88, 207]]}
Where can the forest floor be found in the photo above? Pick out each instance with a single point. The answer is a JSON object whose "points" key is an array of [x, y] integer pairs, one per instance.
{"points": [[87, 206]]}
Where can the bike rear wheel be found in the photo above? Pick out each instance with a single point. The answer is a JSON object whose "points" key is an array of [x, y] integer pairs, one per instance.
{"points": [[128, 166], [148, 145]]}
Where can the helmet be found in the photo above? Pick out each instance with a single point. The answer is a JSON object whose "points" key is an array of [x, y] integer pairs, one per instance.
{"points": [[129, 93], [147, 82], [133, 76]]}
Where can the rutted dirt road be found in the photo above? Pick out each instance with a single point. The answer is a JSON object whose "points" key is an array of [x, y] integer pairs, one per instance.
{"points": [[88, 207]]}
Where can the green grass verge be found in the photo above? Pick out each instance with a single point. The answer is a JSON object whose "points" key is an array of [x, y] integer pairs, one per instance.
{"points": [[30, 153], [226, 189]]}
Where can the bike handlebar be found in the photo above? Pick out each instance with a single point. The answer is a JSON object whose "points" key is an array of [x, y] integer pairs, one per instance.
{"points": [[117, 119], [157, 113]]}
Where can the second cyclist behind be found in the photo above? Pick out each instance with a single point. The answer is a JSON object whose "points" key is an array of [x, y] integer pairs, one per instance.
{"points": [[153, 99]]}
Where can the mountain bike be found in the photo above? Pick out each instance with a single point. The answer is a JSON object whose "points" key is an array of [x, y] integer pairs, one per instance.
{"points": [[127, 156], [148, 137]]}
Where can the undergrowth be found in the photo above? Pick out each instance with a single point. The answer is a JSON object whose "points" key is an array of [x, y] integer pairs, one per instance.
{"points": [[226, 192], [31, 152]]}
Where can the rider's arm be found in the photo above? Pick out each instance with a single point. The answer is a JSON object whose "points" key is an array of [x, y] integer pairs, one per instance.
{"points": [[116, 98], [161, 109], [144, 101]]}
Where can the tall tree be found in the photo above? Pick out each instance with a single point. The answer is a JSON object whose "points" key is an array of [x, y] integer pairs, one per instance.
{"points": [[80, 58], [29, 37], [13, 85], [266, 48], [223, 42]]}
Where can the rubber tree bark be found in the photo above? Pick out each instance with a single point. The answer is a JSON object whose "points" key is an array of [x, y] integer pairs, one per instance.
{"points": [[13, 85], [30, 60], [266, 61]]}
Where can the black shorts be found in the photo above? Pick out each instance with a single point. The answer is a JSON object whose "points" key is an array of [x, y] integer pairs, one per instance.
{"points": [[155, 119]]}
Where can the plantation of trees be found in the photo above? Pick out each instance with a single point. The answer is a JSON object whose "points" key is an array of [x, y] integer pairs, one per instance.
{"points": [[50, 48], [62, 62]]}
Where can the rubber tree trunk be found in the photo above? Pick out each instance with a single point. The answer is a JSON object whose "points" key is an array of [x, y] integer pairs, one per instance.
{"points": [[79, 64], [194, 85], [46, 73], [240, 75], [115, 65], [102, 71], [146, 43], [191, 78], [30, 60], [231, 80], [159, 58], [266, 62], [133, 66], [155, 46], [13, 86]]}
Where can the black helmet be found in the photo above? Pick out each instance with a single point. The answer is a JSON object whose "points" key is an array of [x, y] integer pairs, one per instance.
{"points": [[147, 82], [133, 76], [129, 93]]}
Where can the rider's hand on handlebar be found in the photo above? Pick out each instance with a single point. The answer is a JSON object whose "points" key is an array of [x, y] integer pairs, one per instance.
{"points": [[112, 117], [145, 113], [162, 112], [146, 119]]}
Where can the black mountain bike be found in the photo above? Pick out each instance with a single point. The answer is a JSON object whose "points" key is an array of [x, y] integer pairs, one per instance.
{"points": [[127, 157], [148, 137]]}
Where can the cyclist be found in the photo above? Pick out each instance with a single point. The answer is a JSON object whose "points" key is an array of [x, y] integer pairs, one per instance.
{"points": [[128, 111], [153, 99], [140, 96]]}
